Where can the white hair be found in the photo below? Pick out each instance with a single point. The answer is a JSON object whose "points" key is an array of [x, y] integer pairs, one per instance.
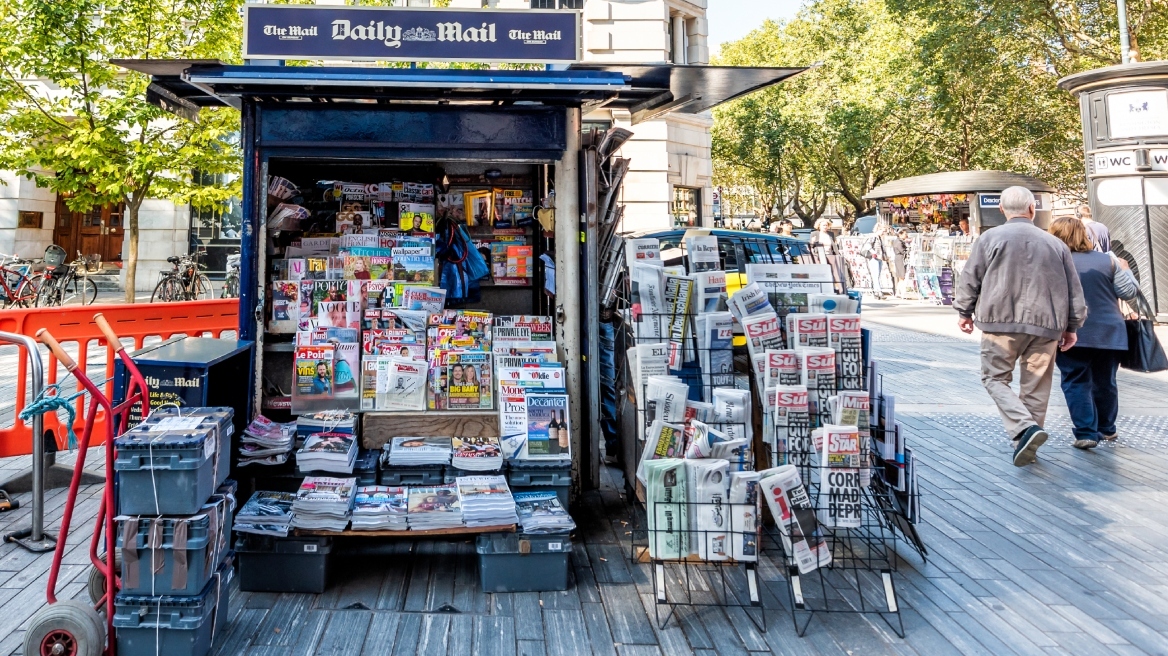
{"points": [[1016, 201]]}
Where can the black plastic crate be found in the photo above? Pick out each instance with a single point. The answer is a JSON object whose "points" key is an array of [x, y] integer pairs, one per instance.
{"points": [[516, 562], [292, 564], [398, 476]]}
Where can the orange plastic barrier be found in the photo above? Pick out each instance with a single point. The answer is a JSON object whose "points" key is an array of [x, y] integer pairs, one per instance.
{"points": [[74, 325]]}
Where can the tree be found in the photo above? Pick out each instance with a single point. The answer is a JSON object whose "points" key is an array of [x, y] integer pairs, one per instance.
{"points": [[851, 122], [97, 140]]}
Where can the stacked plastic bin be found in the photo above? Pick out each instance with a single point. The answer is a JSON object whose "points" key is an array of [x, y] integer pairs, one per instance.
{"points": [[174, 526]]}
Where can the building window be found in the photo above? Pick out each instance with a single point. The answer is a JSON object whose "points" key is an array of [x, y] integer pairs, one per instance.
{"points": [[557, 4], [31, 219], [687, 207]]}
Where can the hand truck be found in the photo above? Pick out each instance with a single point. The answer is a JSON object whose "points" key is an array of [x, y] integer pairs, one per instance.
{"points": [[70, 627]]}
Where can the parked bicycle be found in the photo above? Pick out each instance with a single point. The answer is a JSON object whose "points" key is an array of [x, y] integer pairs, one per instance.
{"points": [[66, 284], [19, 282], [184, 282], [231, 282]]}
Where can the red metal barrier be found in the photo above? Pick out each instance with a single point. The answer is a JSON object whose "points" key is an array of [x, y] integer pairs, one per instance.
{"points": [[74, 325]]}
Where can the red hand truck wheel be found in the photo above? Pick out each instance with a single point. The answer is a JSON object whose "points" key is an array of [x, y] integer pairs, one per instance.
{"points": [[66, 628]]}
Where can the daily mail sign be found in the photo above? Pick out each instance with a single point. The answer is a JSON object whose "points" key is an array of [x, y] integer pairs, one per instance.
{"points": [[410, 34]]}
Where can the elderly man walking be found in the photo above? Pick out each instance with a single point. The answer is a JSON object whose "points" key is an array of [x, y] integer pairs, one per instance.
{"points": [[1021, 289]]}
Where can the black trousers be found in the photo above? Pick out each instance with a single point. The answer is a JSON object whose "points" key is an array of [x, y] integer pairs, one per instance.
{"points": [[1088, 381]]}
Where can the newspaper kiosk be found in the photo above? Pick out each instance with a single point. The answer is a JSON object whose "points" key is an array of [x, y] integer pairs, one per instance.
{"points": [[465, 131]]}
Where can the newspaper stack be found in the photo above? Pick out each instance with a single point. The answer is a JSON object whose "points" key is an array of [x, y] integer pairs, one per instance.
{"points": [[266, 513], [541, 512], [435, 507], [476, 454], [486, 501], [413, 451], [266, 442], [665, 507], [328, 452], [380, 508], [324, 503], [840, 487]]}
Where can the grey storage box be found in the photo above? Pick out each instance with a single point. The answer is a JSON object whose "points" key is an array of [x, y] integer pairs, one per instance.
{"points": [[292, 564], [534, 475], [399, 475], [222, 579], [164, 624], [165, 473], [515, 562], [220, 419], [173, 555]]}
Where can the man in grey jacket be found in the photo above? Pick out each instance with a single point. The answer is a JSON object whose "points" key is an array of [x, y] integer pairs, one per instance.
{"points": [[1021, 289]]}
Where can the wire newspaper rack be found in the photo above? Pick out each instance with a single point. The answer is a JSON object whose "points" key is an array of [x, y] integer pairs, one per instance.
{"points": [[837, 527], [699, 567]]}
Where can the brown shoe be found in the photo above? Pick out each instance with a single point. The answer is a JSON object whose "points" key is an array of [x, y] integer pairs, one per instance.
{"points": [[1111, 438]]}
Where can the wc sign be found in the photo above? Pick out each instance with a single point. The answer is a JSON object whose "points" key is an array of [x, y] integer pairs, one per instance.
{"points": [[311, 32], [1129, 162]]}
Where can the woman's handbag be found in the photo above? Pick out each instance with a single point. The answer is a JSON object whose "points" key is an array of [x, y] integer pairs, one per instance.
{"points": [[1144, 353]]}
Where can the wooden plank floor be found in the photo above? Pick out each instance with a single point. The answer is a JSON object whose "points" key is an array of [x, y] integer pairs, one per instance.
{"points": [[1069, 556]]}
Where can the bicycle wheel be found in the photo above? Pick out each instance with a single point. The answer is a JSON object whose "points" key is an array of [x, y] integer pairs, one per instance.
{"points": [[26, 292], [79, 291], [203, 289], [168, 290], [49, 294], [230, 287]]}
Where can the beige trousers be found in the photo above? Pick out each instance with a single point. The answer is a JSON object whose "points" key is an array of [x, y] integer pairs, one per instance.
{"points": [[999, 353]]}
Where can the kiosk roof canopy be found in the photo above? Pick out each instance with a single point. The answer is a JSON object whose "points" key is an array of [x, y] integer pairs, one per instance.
{"points": [[647, 91], [956, 182]]}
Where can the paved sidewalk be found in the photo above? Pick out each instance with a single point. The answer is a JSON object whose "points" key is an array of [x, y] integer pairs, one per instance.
{"points": [[1068, 556]]}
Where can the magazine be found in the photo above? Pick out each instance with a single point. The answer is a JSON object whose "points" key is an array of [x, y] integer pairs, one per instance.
{"points": [[481, 453], [795, 516], [541, 512], [435, 507], [267, 509], [428, 299], [539, 327], [840, 504], [463, 381], [413, 268], [486, 501], [416, 451], [377, 507], [844, 336], [285, 307], [314, 371], [549, 435], [339, 314]]}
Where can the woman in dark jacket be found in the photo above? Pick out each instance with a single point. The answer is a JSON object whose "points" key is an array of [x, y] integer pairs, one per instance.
{"points": [[1088, 368]]}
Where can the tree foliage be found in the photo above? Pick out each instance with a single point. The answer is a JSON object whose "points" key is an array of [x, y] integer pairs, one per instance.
{"points": [[907, 87], [80, 125]]}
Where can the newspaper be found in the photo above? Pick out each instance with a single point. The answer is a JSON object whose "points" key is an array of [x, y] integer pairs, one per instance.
{"points": [[832, 304], [666, 395], [707, 482], [854, 408], [763, 331], [678, 295], [807, 330], [792, 426], [643, 251], [703, 253], [709, 291], [715, 339], [788, 286], [732, 413], [791, 507], [782, 368], [648, 302], [663, 440], [843, 332], [818, 367], [665, 503], [749, 300], [840, 504], [744, 524]]}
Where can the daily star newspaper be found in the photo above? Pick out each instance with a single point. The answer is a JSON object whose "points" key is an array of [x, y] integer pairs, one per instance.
{"points": [[839, 487]]}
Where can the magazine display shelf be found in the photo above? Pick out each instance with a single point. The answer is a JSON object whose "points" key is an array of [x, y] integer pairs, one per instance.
{"points": [[697, 582], [431, 533]]}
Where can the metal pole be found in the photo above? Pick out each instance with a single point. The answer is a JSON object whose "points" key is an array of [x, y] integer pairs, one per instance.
{"points": [[1124, 35], [37, 540]]}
